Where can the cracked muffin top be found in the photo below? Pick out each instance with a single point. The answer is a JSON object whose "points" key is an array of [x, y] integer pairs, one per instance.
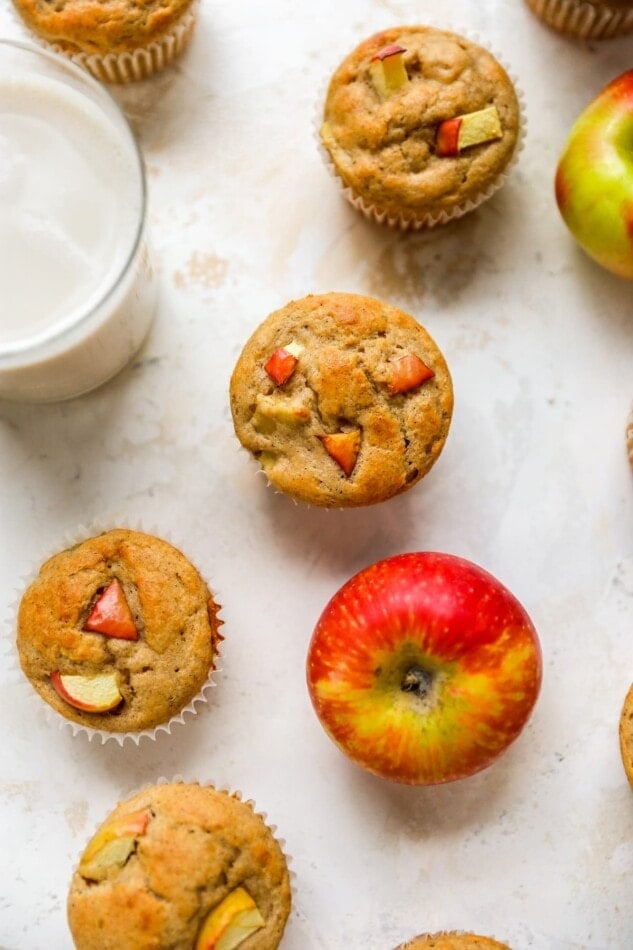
{"points": [[119, 632], [344, 400], [180, 867], [453, 941], [420, 121], [101, 26]]}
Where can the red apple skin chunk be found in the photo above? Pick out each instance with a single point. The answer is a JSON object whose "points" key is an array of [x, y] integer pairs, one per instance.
{"points": [[407, 373], [96, 694], [281, 366], [111, 615], [343, 447], [423, 668], [447, 142]]}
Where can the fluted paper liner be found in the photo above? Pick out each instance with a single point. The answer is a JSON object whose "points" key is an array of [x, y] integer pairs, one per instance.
{"points": [[135, 64], [583, 20], [411, 221], [84, 533]]}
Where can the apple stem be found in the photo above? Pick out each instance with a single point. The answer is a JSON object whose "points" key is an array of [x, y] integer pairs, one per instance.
{"points": [[418, 681]]}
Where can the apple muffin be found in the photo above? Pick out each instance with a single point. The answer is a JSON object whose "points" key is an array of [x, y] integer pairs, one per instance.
{"points": [[115, 40], [343, 400], [626, 735], [453, 941], [118, 633], [586, 19], [182, 866], [420, 125]]}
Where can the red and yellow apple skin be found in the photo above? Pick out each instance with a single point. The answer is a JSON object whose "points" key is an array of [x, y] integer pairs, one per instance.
{"points": [[594, 178], [423, 668]]}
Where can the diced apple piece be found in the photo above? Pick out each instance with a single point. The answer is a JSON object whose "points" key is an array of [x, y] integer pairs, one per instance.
{"points": [[113, 844], [343, 447], [111, 615], [97, 694], [275, 409], [387, 70], [283, 362], [473, 128], [407, 372], [229, 924]]}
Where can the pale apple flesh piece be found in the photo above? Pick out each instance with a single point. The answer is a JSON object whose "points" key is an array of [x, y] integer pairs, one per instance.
{"points": [[111, 615], [343, 447], [465, 131], [112, 845], [273, 410], [98, 694], [229, 924], [387, 70]]}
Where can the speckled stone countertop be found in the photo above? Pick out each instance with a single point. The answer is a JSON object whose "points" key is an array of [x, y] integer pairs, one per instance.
{"points": [[534, 485]]}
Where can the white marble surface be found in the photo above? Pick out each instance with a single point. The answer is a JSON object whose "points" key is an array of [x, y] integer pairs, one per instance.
{"points": [[533, 485]]}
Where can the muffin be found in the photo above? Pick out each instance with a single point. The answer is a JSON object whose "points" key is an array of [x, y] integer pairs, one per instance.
{"points": [[115, 40], [180, 866], [586, 19], [344, 400], [452, 941], [420, 125], [626, 735], [118, 633]]}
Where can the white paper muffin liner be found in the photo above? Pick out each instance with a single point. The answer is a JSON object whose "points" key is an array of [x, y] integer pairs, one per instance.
{"points": [[224, 790], [423, 221], [84, 533], [132, 65], [629, 437], [583, 20]]}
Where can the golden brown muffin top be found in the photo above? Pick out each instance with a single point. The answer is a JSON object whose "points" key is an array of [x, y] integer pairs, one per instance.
{"points": [[626, 735], [341, 385], [384, 149], [198, 846], [453, 941], [101, 26], [173, 610]]}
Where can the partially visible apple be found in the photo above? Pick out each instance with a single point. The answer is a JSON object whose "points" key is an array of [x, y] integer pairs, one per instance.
{"points": [[99, 693], [423, 668], [230, 923], [112, 845], [111, 614], [594, 178]]}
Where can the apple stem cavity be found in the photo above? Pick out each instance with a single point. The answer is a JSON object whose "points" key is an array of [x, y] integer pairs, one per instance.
{"points": [[418, 681]]}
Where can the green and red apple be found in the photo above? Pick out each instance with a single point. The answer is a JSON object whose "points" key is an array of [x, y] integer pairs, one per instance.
{"points": [[594, 178], [423, 668]]}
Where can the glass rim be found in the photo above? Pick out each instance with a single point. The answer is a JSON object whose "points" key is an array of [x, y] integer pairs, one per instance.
{"points": [[15, 353]]}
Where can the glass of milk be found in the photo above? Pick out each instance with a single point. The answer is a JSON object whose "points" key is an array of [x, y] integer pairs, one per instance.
{"points": [[77, 295]]}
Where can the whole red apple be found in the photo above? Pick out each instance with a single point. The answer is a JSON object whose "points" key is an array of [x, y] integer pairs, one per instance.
{"points": [[594, 179], [423, 668]]}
